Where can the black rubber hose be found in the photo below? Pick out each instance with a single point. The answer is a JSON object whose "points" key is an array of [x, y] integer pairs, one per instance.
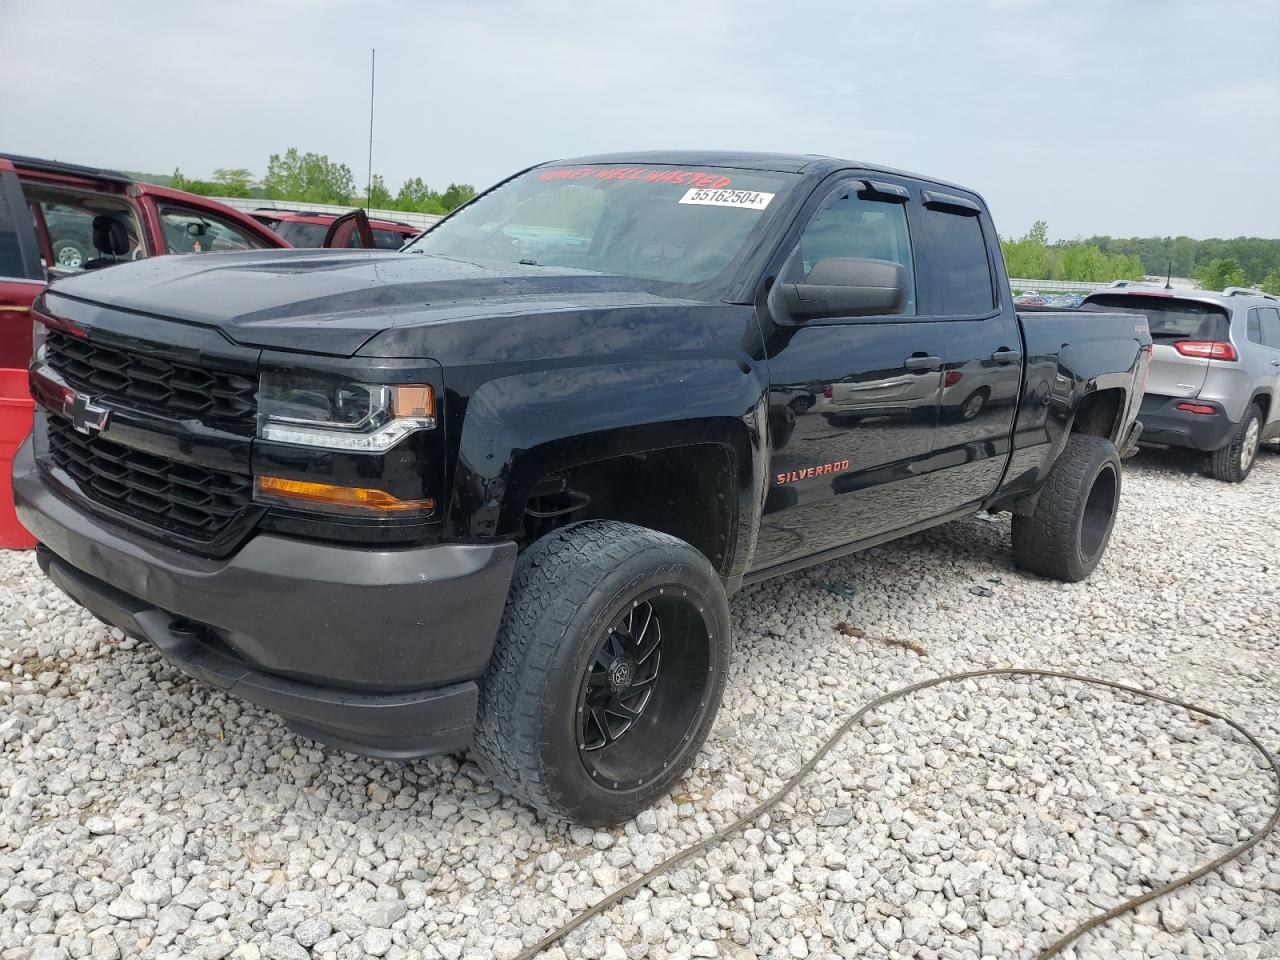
{"points": [[1057, 946]]}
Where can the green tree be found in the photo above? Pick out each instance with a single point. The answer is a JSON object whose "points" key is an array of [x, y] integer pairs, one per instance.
{"points": [[379, 195], [1221, 273], [456, 195], [416, 195], [1028, 257], [1271, 282], [235, 181], [309, 177]]}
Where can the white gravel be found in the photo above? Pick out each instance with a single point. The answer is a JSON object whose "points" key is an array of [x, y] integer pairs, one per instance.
{"points": [[142, 814]]}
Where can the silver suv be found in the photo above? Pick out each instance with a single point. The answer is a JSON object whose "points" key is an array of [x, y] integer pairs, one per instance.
{"points": [[1214, 384]]}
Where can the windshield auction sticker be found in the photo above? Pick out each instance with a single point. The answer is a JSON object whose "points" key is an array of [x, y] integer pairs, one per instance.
{"points": [[745, 199]]}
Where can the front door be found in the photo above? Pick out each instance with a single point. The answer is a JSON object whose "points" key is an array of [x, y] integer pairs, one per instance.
{"points": [[853, 402]]}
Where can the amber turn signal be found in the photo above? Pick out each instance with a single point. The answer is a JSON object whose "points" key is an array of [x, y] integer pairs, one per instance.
{"points": [[361, 499], [413, 401]]}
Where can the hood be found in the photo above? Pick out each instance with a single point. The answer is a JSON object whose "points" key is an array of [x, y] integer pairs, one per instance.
{"points": [[325, 301]]}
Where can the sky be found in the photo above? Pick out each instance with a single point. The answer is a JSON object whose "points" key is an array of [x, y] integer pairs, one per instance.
{"points": [[1121, 117]]}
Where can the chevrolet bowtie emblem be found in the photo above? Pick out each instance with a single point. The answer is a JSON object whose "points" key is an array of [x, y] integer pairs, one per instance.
{"points": [[85, 415]]}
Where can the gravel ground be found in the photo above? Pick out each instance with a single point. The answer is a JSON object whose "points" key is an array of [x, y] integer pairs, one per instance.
{"points": [[142, 814]]}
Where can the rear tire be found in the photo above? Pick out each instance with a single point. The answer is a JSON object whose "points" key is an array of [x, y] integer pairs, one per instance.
{"points": [[1068, 532], [1232, 463], [589, 712]]}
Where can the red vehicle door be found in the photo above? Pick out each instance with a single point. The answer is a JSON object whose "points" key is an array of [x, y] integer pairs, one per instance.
{"points": [[22, 274], [350, 230], [182, 222]]}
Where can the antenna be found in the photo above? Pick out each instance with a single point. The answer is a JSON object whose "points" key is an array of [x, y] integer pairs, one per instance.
{"points": [[1168, 283], [373, 68]]}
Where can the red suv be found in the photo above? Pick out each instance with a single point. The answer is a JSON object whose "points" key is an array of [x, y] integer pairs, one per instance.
{"points": [[58, 219], [309, 229]]}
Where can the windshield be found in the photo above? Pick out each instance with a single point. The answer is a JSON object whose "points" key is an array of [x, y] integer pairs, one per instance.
{"points": [[672, 225], [1168, 317]]}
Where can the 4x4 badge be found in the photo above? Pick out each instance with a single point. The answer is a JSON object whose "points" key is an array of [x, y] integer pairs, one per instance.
{"points": [[86, 416]]}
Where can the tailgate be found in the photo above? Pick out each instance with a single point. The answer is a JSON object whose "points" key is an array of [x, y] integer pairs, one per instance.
{"points": [[1173, 320]]}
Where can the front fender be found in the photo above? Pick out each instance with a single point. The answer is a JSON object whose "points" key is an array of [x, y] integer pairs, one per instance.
{"points": [[519, 427]]}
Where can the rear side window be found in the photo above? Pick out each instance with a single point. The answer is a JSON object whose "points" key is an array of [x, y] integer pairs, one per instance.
{"points": [[961, 271], [388, 239], [1270, 319], [1168, 317], [301, 234], [1255, 326]]}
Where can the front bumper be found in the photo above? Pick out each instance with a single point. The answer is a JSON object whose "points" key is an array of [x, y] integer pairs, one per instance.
{"points": [[1163, 423], [373, 650]]}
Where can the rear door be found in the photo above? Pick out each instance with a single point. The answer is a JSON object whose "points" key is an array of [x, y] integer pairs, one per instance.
{"points": [[853, 402], [22, 275], [1269, 328], [983, 370]]}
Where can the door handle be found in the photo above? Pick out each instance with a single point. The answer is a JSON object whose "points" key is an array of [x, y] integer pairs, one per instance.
{"points": [[1275, 363], [1004, 355], [921, 364]]}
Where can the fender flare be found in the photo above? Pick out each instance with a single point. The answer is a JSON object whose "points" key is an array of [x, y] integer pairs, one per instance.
{"points": [[519, 427]]}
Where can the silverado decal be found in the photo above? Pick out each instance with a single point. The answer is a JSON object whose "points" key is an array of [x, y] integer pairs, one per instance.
{"points": [[793, 475]]}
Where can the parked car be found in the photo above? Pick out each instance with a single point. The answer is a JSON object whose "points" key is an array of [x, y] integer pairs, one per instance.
{"points": [[59, 219], [494, 490], [1215, 372], [308, 229]]}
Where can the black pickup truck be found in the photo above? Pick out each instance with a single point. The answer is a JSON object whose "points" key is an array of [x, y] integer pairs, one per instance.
{"points": [[493, 490]]}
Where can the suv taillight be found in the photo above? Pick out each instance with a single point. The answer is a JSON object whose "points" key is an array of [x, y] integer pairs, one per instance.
{"points": [[1206, 349]]}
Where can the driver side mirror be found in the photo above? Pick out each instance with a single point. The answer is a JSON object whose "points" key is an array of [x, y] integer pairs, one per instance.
{"points": [[196, 229], [847, 287]]}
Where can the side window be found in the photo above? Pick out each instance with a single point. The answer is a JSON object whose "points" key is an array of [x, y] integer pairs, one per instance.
{"points": [[958, 259], [388, 239], [850, 226], [1255, 326], [1270, 318], [187, 230], [69, 222]]}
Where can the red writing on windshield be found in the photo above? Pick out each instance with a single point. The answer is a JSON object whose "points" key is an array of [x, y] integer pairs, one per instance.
{"points": [[709, 181]]}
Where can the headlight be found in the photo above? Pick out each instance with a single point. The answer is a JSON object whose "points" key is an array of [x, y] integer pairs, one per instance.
{"points": [[319, 411]]}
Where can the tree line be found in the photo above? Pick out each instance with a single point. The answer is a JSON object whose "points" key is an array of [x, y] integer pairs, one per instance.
{"points": [[314, 178], [1214, 263]]}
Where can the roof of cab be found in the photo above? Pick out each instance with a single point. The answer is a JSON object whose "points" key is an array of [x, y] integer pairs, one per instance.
{"points": [[803, 163]]}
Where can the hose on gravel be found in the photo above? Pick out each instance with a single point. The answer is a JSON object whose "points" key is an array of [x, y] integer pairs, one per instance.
{"points": [[622, 893]]}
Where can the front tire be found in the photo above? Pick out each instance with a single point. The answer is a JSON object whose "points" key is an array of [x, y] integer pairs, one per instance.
{"points": [[1067, 533], [1232, 463], [607, 672]]}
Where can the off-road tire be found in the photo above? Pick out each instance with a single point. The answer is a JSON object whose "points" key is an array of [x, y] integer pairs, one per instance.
{"points": [[1224, 463], [568, 588], [1068, 531]]}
